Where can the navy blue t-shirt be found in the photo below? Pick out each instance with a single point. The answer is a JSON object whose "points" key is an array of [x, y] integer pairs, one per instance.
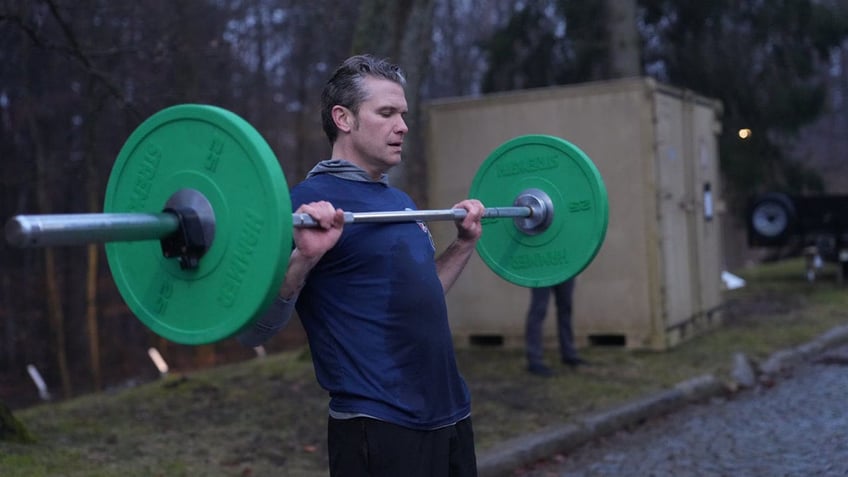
{"points": [[375, 316]]}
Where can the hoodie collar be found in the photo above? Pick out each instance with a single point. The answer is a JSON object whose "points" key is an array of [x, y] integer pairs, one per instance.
{"points": [[345, 170]]}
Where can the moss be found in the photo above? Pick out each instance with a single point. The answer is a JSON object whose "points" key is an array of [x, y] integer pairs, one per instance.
{"points": [[11, 429]]}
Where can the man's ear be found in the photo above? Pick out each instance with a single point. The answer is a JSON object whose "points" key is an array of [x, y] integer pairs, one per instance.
{"points": [[343, 118]]}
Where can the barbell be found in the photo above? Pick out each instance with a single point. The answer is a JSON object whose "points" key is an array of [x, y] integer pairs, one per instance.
{"points": [[198, 223]]}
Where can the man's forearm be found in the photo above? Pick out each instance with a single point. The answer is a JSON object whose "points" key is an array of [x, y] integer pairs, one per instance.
{"points": [[452, 261], [269, 324], [279, 314], [298, 270]]}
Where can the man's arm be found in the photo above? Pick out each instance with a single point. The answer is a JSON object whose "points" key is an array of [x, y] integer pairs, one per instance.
{"points": [[310, 245], [453, 260]]}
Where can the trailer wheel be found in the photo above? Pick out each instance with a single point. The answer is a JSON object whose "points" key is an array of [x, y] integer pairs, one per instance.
{"points": [[772, 218]]}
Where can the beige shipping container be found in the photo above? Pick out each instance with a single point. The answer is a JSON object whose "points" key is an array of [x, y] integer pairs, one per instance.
{"points": [[657, 278]]}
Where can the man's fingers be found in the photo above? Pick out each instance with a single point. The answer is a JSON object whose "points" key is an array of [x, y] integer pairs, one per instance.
{"points": [[324, 214]]}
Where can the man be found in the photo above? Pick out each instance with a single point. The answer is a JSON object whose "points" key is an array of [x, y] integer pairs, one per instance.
{"points": [[371, 295], [539, 298]]}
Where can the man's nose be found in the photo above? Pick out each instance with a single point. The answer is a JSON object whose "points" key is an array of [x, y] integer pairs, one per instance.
{"points": [[401, 127]]}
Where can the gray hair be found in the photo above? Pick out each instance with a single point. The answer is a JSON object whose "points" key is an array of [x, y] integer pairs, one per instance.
{"points": [[345, 87]]}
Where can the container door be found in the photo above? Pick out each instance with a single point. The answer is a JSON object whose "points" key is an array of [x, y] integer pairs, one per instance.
{"points": [[674, 200], [706, 218]]}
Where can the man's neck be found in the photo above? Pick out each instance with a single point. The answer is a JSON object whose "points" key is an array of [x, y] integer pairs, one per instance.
{"points": [[341, 152]]}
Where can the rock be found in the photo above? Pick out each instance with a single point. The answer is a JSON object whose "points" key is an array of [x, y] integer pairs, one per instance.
{"points": [[743, 373]]}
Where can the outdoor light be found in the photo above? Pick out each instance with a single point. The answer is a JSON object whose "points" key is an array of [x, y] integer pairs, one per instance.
{"points": [[744, 133]]}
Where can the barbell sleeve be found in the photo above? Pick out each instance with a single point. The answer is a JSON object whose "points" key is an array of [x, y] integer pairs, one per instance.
{"points": [[81, 229]]}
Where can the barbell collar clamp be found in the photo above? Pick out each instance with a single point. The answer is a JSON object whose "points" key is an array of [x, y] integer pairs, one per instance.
{"points": [[188, 243]]}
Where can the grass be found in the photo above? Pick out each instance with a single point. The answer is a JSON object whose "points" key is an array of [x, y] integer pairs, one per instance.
{"points": [[268, 416]]}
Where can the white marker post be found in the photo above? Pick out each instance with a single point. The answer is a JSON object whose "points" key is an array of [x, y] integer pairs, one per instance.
{"points": [[157, 359], [43, 393]]}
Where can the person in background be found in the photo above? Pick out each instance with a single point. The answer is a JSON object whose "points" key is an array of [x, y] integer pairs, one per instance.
{"points": [[371, 296], [539, 298]]}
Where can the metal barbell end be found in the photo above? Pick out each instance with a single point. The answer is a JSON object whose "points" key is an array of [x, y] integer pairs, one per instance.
{"points": [[82, 229]]}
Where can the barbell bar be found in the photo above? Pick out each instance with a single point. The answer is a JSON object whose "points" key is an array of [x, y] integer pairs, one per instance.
{"points": [[48, 230], [200, 184]]}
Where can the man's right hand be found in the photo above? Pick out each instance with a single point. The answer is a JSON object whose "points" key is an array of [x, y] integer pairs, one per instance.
{"points": [[313, 242], [310, 244]]}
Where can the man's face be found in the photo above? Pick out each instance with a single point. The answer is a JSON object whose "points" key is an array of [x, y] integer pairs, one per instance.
{"points": [[379, 128]]}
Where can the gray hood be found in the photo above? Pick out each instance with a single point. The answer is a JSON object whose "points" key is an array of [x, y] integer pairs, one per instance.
{"points": [[344, 170]]}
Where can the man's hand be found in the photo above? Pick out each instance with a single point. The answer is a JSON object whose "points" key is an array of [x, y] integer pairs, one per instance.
{"points": [[451, 262], [310, 244], [313, 242], [470, 228]]}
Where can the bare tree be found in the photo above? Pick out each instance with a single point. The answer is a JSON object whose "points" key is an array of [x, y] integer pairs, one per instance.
{"points": [[458, 59], [55, 312], [402, 31], [623, 37], [92, 271]]}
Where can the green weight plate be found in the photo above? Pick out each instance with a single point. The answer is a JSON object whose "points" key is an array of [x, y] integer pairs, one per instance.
{"points": [[218, 154], [580, 210]]}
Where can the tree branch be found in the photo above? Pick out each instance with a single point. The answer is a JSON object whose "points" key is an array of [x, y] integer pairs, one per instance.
{"points": [[73, 52]]}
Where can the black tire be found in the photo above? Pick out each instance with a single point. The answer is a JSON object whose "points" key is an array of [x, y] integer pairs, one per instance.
{"points": [[771, 220]]}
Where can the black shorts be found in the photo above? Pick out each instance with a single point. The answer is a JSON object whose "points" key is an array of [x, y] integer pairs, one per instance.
{"points": [[372, 448]]}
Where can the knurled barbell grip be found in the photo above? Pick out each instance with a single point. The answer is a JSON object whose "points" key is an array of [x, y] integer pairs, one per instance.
{"points": [[305, 220]]}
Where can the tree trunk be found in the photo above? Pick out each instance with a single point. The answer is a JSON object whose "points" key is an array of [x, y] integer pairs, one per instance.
{"points": [[93, 250], [7, 315], [57, 320], [623, 39], [205, 356], [401, 31], [415, 56], [51, 274], [91, 316], [379, 27]]}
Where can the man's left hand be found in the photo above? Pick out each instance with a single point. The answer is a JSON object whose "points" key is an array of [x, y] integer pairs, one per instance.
{"points": [[470, 228]]}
